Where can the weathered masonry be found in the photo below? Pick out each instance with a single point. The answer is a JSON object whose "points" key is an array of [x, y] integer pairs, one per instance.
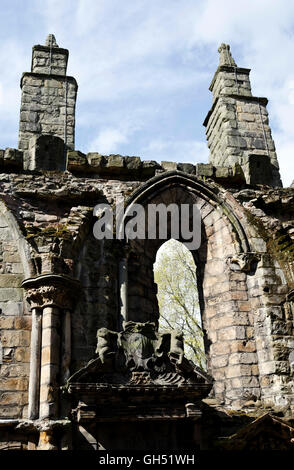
{"points": [[83, 364]]}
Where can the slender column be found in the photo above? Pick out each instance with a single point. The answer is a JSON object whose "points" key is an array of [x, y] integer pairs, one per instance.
{"points": [[66, 346], [123, 289], [35, 363], [49, 391], [54, 296]]}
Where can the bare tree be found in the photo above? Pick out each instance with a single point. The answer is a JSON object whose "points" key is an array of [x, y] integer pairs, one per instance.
{"points": [[175, 275]]}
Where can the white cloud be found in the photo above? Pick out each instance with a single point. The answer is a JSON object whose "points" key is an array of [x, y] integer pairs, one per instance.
{"points": [[108, 141], [177, 151], [285, 152]]}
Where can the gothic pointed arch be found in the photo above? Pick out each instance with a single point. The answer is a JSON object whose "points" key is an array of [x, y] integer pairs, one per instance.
{"points": [[192, 185]]}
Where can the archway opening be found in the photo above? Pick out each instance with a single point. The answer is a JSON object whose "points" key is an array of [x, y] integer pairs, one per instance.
{"points": [[175, 274]]}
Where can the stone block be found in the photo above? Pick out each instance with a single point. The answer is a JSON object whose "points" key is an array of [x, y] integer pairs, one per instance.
{"points": [[46, 152], [13, 159], [114, 162], [187, 168], [243, 346], [6, 323], [149, 167], [247, 117], [220, 348], [9, 257], [133, 163], [22, 354], [267, 368], [219, 361], [169, 166], [76, 161], [245, 382], [11, 308], [231, 333], [238, 370], [7, 412], [234, 141], [10, 280], [12, 294], [50, 355], [12, 338], [243, 358], [95, 160], [258, 144], [204, 169], [17, 384], [222, 172], [15, 370], [13, 398], [23, 323]]}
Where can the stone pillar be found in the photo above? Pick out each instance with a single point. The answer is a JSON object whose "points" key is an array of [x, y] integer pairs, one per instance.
{"points": [[35, 363], [237, 126], [66, 346], [47, 105], [51, 298], [50, 363]]}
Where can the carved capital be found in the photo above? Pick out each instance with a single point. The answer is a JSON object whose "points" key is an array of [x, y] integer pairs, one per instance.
{"points": [[51, 290], [245, 262]]}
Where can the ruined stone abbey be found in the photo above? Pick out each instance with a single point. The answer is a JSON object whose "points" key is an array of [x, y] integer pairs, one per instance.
{"points": [[82, 362]]}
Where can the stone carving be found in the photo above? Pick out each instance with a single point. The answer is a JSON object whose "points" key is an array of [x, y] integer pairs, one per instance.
{"points": [[47, 295], [140, 354], [226, 56], [51, 41], [51, 290], [106, 344], [245, 262], [138, 374]]}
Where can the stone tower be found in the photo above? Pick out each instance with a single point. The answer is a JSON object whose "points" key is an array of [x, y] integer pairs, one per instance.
{"points": [[237, 126], [47, 109]]}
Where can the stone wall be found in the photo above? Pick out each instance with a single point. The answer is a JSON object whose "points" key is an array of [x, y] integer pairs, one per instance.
{"points": [[238, 299], [15, 325], [235, 289]]}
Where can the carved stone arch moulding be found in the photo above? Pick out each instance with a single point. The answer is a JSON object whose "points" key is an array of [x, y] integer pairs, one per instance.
{"points": [[191, 184], [24, 248]]}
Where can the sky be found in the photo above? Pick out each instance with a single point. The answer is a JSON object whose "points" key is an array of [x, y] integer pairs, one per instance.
{"points": [[144, 68]]}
